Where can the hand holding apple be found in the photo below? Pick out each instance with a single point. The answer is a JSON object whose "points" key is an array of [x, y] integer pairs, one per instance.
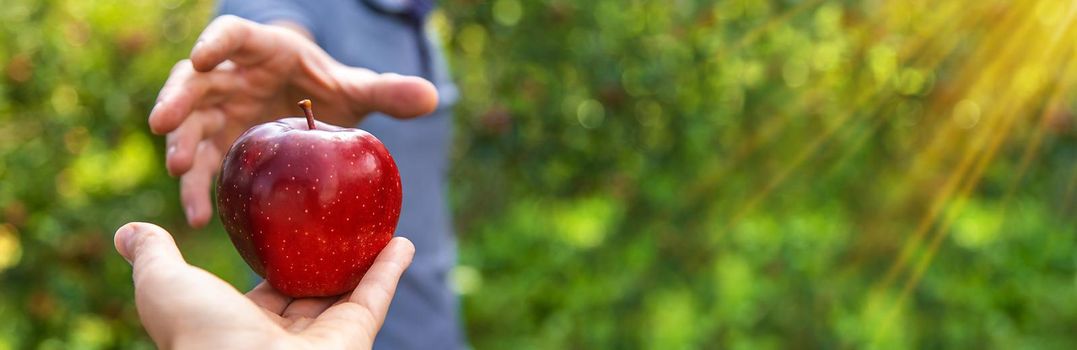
{"points": [[185, 307]]}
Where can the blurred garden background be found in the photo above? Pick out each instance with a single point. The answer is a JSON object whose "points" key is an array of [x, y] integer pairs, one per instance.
{"points": [[635, 173]]}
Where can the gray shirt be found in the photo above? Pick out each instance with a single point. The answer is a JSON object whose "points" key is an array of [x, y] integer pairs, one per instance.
{"points": [[424, 313]]}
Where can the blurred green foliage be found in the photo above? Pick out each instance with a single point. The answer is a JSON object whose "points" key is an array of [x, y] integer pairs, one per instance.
{"points": [[639, 173]]}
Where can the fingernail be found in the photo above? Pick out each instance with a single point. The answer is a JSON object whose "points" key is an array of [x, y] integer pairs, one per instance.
{"points": [[126, 236], [196, 45], [171, 150], [190, 213]]}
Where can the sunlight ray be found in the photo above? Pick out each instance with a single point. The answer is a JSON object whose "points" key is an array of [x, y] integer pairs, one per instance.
{"points": [[1017, 102], [938, 145]]}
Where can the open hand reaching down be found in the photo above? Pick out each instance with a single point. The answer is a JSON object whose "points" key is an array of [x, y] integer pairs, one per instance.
{"points": [[240, 74]]}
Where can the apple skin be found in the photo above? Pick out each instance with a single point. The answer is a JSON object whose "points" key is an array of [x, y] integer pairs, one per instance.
{"points": [[309, 210]]}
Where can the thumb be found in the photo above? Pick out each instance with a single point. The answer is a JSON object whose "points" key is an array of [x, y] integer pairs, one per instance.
{"points": [[147, 246], [397, 95], [158, 266]]}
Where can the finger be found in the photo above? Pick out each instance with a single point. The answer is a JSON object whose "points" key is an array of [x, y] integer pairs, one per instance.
{"points": [[152, 253], [393, 94], [376, 289], [163, 118], [359, 319], [183, 142], [186, 90], [232, 38], [157, 265], [308, 307], [298, 324], [195, 184], [147, 247], [269, 298]]}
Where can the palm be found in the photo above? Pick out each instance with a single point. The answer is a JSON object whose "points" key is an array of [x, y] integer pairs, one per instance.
{"points": [[305, 317]]}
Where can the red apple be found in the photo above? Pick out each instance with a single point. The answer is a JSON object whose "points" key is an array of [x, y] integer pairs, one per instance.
{"points": [[309, 205]]}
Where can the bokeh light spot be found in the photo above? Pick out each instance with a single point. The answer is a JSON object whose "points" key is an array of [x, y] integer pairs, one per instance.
{"points": [[65, 100], [977, 226], [465, 279], [584, 223], [590, 114], [912, 81], [883, 62], [966, 114], [508, 12], [10, 249], [472, 39], [795, 72]]}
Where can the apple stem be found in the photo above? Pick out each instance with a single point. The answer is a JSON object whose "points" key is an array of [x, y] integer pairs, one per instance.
{"points": [[305, 105]]}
